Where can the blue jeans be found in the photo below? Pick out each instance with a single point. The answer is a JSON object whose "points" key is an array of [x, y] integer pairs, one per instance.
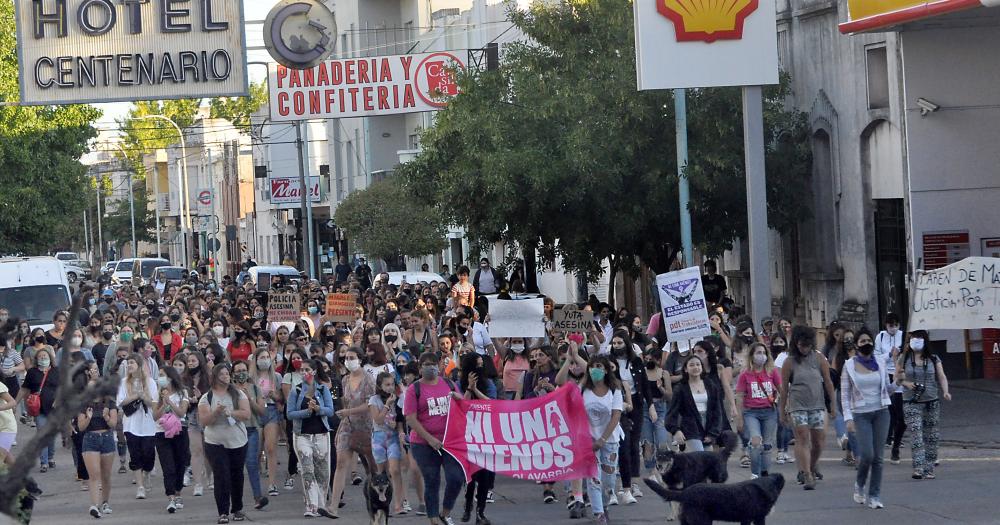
{"points": [[761, 423], [253, 465], [872, 430], [655, 434], [431, 462], [48, 452], [840, 426], [607, 464]]}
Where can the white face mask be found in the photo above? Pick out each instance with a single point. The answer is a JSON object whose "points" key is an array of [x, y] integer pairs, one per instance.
{"points": [[917, 344], [218, 330], [76, 341], [892, 330], [517, 348], [352, 364]]}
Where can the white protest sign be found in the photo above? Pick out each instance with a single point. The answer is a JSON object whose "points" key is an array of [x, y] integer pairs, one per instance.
{"points": [[962, 295], [569, 318], [517, 318], [682, 299]]}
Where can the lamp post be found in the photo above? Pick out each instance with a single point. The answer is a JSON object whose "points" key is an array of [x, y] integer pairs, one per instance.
{"points": [[183, 176], [131, 203]]}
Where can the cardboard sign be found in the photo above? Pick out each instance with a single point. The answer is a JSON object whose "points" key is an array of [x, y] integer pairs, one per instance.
{"points": [[571, 319], [517, 318], [542, 439], [341, 307], [963, 295], [283, 306], [682, 299]]}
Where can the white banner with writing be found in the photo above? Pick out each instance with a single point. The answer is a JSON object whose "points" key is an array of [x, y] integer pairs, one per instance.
{"points": [[517, 318], [962, 295]]}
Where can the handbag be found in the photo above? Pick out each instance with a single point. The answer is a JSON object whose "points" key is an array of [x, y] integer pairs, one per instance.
{"points": [[133, 407], [33, 403]]}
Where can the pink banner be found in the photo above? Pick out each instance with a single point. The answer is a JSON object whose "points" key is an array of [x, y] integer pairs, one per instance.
{"points": [[545, 438]]}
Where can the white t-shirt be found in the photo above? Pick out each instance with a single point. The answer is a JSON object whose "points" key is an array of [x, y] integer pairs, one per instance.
{"points": [[141, 422], [226, 430], [374, 371], [176, 399], [599, 409]]}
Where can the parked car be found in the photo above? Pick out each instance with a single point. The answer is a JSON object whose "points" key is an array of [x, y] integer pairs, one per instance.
{"points": [[109, 266], [67, 256], [122, 273], [260, 276], [34, 289], [397, 278], [77, 270], [142, 269], [165, 276]]}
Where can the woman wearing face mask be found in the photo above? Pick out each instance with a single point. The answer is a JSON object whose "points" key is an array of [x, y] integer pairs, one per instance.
{"points": [[191, 337], [223, 411], [779, 350], [805, 386], [96, 424], [387, 425], [842, 351], [757, 396], [73, 345], [171, 439], [656, 391], [269, 383], [393, 338], [514, 367], [631, 372], [291, 379], [865, 392], [243, 382], [313, 312], [888, 345], [221, 336], [921, 374], [376, 361], [168, 341], [11, 365], [42, 379], [92, 335], [354, 433], [602, 396], [695, 415], [241, 345], [476, 386], [425, 407], [309, 409], [137, 397], [196, 379]]}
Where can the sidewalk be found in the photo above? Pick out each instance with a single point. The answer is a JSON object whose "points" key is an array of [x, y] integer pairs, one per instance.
{"points": [[970, 419]]}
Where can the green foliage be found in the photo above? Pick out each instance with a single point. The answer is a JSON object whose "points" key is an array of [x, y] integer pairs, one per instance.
{"points": [[117, 221], [44, 184], [238, 110], [146, 135], [385, 222], [558, 150]]}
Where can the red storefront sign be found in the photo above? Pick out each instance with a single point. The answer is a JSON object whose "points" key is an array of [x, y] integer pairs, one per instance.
{"points": [[944, 248], [286, 190], [991, 353]]}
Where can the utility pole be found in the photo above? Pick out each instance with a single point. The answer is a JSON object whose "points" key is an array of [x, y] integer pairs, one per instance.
{"points": [[753, 136], [184, 223], [213, 220], [131, 201], [307, 239], [100, 234], [680, 118], [156, 201], [86, 236]]}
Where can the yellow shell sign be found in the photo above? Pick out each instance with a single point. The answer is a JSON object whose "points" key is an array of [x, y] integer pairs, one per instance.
{"points": [[707, 20]]}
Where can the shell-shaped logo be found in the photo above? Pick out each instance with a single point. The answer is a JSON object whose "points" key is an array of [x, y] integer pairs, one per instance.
{"points": [[707, 20]]}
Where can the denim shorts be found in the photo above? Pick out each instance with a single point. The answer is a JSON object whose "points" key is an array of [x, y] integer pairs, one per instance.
{"points": [[101, 442], [271, 415], [814, 419], [385, 446]]}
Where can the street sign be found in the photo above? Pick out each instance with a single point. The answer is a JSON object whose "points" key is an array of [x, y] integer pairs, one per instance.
{"points": [[214, 244], [205, 197]]}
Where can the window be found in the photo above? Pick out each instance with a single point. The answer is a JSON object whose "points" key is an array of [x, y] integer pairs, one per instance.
{"points": [[783, 50], [877, 65]]}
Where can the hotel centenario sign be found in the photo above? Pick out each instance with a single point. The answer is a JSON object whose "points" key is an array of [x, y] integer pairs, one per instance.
{"points": [[84, 51]]}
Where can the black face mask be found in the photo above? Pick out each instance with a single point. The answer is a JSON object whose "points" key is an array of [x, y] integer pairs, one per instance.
{"points": [[40, 340], [107, 335], [391, 338], [175, 317], [866, 350], [650, 365], [748, 339], [165, 326], [109, 300]]}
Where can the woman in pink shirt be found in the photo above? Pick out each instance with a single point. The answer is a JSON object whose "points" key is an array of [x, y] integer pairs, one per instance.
{"points": [[756, 398], [425, 406]]}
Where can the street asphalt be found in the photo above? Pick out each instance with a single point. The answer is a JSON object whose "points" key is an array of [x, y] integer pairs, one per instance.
{"points": [[964, 491]]}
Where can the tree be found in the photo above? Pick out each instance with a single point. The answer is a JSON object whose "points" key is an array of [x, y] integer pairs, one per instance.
{"points": [[118, 221], [42, 183], [557, 150], [386, 223], [238, 110]]}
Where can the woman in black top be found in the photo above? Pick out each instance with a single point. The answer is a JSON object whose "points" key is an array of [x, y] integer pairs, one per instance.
{"points": [[656, 391], [632, 373], [96, 424], [695, 415], [43, 379]]}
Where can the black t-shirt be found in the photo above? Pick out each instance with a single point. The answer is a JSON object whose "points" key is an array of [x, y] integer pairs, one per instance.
{"points": [[312, 424], [33, 382], [343, 271], [52, 341], [714, 286], [99, 351], [97, 421]]}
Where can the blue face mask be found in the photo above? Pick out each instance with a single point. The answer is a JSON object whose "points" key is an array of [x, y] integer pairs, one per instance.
{"points": [[597, 374], [313, 310], [92, 301]]}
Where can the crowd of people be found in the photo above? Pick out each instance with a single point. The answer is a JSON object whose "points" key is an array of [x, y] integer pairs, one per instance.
{"points": [[217, 393]]}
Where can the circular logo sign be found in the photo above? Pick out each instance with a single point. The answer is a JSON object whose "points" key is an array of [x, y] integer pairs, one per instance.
{"points": [[300, 33], [436, 78], [205, 198]]}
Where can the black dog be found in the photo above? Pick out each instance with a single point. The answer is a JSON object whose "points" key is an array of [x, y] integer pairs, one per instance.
{"points": [[378, 496], [748, 502], [680, 471]]}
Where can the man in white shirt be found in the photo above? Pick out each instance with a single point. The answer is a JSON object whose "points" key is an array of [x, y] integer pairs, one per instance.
{"points": [[606, 327], [888, 344]]}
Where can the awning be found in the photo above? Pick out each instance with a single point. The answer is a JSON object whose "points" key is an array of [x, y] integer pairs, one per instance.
{"points": [[870, 15]]}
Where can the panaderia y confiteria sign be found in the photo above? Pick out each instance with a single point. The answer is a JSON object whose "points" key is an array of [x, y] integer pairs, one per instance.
{"points": [[84, 51]]}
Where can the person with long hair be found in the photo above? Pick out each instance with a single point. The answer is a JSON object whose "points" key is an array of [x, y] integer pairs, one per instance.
{"points": [[263, 374], [137, 397], [757, 397], [695, 414], [843, 350], [223, 411], [779, 351], [291, 379], [97, 422], [805, 386], [602, 397], [258, 407], [657, 391], [865, 394], [310, 405], [196, 379], [631, 371], [386, 426], [168, 341], [513, 367], [921, 374], [171, 439], [476, 385], [393, 340], [355, 431], [376, 361]]}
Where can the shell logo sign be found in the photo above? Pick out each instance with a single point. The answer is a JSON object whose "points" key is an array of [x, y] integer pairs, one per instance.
{"points": [[707, 20]]}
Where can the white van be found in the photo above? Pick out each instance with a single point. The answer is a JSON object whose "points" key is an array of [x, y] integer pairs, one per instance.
{"points": [[122, 273], [261, 276], [34, 289]]}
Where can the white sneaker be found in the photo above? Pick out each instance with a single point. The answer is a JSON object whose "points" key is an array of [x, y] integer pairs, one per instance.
{"points": [[789, 458], [636, 491], [448, 521], [187, 478], [754, 476], [875, 503], [612, 499], [95, 512], [171, 507], [628, 498], [859, 494], [106, 508], [140, 493], [179, 503], [780, 458], [198, 490]]}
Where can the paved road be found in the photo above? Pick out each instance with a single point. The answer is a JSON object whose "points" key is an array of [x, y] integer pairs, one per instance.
{"points": [[963, 492]]}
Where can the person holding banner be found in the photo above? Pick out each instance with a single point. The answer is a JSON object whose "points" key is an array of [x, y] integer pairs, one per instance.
{"points": [[425, 407], [539, 382], [602, 395], [474, 383]]}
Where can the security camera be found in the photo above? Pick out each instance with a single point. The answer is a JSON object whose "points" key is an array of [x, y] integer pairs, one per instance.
{"points": [[926, 106]]}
